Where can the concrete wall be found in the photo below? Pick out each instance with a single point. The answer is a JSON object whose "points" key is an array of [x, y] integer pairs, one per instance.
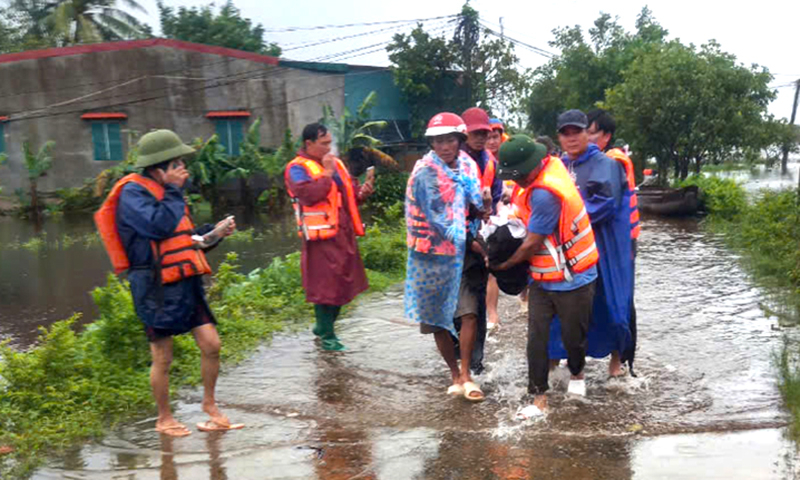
{"points": [[157, 87]]}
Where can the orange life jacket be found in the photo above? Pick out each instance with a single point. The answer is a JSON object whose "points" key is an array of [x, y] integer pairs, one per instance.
{"points": [[176, 256], [571, 248], [419, 235], [626, 162], [321, 221], [487, 178]]}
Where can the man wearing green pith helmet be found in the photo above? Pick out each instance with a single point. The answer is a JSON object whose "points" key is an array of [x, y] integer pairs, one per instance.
{"points": [[148, 233]]}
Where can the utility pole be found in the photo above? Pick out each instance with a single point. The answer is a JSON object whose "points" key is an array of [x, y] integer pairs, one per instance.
{"points": [[503, 31], [785, 160]]}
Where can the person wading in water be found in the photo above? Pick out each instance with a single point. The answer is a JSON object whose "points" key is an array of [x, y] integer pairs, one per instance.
{"points": [[147, 231], [443, 187], [326, 200], [562, 254]]}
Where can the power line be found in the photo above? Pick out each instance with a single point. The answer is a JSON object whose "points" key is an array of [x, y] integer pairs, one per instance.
{"points": [[322, 42], [363, 24], [536, 50]]}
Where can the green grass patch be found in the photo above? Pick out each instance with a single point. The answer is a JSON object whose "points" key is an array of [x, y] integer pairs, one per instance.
{"points": [[73, 386]]}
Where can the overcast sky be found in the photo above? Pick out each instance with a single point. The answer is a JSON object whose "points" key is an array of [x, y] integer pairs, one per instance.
{"points": [[762, 32]]}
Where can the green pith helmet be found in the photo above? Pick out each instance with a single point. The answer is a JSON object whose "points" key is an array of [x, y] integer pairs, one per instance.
{"points": [[159, 146], [519, 156]]}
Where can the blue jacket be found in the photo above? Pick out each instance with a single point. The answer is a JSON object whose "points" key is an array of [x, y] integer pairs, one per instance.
{"points": [[602, 184], [142, 219]]}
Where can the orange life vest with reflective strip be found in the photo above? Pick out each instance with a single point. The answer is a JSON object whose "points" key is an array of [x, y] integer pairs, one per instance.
{"points": [[487, 178], [571, 248], [176, 256], [321, 221], [626, 162], [418, 230]]}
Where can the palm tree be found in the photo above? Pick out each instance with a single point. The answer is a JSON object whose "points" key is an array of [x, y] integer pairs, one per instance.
{"points": [[70, 22]]}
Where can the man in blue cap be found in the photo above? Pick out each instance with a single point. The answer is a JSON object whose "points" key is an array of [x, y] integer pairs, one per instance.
{"points": [[602, 183]]}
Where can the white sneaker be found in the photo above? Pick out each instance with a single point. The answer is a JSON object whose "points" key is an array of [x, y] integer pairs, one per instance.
{"points": [[529, 412], [577, 387]]}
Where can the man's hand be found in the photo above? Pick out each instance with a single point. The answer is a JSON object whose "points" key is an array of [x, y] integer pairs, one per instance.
{"points": [[367, 189], [176, 176], [329, 163], [478, 248], [228, 231]]}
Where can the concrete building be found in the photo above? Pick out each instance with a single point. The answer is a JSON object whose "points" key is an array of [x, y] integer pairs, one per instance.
{"points": [[94, 100]]}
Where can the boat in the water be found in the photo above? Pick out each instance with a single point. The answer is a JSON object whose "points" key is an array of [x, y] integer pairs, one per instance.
{"points": [[673, 202]]}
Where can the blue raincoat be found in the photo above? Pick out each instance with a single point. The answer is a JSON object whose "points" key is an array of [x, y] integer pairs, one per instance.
{"points": [[443, 195], [603, 186]]}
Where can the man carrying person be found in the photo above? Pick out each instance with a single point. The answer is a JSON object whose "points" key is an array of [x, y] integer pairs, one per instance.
{"points": [[562, 254], [326, 200], [146, 229], [478, 130], [603, 184], [441, 190], [602, 128]]}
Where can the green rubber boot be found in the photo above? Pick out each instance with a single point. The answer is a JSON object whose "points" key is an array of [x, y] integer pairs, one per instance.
{"points": [[319, 316]]}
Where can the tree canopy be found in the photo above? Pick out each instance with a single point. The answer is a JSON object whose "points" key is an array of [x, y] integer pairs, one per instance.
{"points": [[472, 68], [224, 29]]}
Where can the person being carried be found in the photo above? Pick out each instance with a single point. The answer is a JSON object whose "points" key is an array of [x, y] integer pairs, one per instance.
{"points": [[326, 200], [147, 231], [440, 191], [562, 254]]}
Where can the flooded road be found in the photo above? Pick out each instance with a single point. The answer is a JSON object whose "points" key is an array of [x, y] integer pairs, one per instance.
{"points": [[705, 404]]}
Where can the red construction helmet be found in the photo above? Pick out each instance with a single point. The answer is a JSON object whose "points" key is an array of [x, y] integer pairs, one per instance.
{"points": [[445, 123], [476, 119]]}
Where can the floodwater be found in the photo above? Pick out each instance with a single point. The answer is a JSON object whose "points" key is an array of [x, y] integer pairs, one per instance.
{"points": [[705, 404], [40, 285]]}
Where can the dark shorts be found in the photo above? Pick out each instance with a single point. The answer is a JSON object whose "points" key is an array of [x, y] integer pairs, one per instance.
{"points": [[201, 317], [467, 305]]}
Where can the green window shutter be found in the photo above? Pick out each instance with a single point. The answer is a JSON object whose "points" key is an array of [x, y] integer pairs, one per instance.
{"points": [[2, 138], [99, 141], [237, 135], [221, 127], [114, 141]]}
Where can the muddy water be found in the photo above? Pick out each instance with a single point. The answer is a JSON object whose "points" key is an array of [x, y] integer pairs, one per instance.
{"points": [[705, 404], [39, 286]]}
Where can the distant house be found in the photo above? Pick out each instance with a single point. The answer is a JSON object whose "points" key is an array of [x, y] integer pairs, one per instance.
{"points": [[94, 100]]}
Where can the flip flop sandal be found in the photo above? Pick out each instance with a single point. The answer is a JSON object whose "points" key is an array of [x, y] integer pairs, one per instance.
{"points": [[183, 431], [471, 387], [211, 426], [455, 390]]}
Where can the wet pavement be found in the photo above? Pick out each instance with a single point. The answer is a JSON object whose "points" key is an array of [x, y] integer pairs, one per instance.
{"points": [[705, 404]]}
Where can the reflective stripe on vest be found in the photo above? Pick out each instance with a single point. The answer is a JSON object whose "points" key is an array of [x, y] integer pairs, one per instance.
{"points": [[176, 256], [321, 221], [627, 164], [571, 249]]}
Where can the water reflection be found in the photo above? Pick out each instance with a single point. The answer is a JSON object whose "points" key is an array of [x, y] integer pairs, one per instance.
{"points": [[344, 451]]}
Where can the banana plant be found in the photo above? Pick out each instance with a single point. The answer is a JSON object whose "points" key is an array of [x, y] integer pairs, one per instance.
{"points": [[37, 165], [355, 139]]}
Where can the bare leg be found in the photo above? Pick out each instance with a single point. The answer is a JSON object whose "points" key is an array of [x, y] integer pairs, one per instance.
{"points": [[207, 340], [444, 342], [615, 365], [466, 340], [161, 351], [492, 298]]}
